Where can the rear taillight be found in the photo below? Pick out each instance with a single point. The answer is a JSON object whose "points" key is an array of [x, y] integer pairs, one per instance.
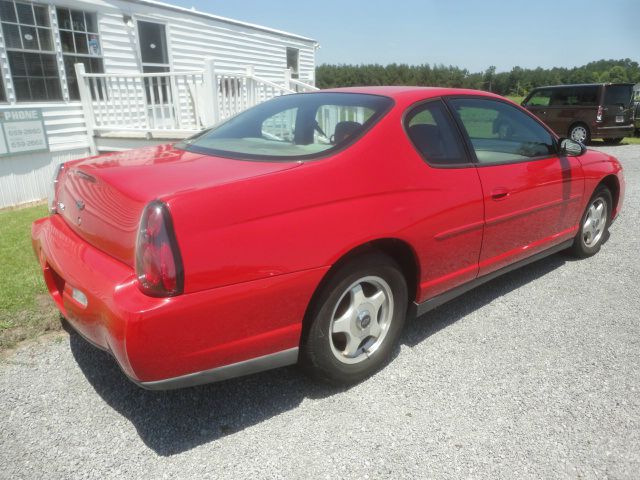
{"points": [[53, 188], [158, 262], [599, 114]]}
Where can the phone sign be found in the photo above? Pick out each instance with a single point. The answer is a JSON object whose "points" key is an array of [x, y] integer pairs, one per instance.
{"points": [[22, 130]]}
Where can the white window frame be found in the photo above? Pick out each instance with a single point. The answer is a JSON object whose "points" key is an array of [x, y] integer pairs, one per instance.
{"points": [[54, 27], [10, 91], [73, 31]]}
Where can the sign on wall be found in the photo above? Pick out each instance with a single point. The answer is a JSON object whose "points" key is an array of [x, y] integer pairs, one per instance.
{"points": [[21, 131]]}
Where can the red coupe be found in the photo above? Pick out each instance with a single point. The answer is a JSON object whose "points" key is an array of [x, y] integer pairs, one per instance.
{"points": [[306, 229]]}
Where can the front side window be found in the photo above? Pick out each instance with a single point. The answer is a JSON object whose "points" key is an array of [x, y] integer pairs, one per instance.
{"points": [[292, 127], [29, 43], [432, 131], [80, 44], [500, 132], [539, 98]]}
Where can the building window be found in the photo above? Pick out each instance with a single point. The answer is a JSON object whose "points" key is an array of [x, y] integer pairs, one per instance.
{"points": [[293, 61], [29, 44], [80, 44]]}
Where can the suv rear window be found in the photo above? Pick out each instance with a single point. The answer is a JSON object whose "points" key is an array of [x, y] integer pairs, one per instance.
{"points": [[618, 95]]}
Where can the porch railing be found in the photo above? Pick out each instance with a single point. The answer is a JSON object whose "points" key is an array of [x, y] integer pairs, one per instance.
{"points": [[172, 103]]}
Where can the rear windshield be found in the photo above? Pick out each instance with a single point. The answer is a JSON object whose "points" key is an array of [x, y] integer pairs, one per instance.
{"points": [[292, 127], [618, 95]]}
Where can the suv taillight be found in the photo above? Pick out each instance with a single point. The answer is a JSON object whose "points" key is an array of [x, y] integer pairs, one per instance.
{"points": [[158, 262], [599, 114]]}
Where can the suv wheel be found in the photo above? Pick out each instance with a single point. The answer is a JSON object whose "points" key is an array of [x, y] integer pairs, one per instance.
{"points": [[580, 133]]}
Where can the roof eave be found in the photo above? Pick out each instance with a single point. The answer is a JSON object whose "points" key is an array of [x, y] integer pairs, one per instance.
{"points": [[155, 3]]}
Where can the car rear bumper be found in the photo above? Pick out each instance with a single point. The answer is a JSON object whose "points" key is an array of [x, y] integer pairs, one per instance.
{"points": [[614, 131], [172, 342]]}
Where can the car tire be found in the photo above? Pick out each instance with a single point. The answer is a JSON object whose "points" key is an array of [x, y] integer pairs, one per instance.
{"points": [[612, 141], [579, 132], [594, 224], [355, 320]]}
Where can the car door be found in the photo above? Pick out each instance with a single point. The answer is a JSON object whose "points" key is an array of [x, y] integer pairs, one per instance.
{"points": [[531, 194], [449, 199]]}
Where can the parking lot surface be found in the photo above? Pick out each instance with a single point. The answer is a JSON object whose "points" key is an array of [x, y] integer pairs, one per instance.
{"points": [[533, 375]]}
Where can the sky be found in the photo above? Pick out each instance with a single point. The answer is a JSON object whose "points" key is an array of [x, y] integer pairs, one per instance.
{"points": [[465, 33]]}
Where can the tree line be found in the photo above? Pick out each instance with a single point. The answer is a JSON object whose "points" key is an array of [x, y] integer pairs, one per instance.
{"points": [[518, 82]]}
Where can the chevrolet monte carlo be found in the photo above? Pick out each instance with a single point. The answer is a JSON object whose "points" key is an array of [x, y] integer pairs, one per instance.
{"points": [[306, 229]]}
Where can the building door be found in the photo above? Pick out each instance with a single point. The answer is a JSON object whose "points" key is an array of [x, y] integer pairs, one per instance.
{"points": [[154, 56]]}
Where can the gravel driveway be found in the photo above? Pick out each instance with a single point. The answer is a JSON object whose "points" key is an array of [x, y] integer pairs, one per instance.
{"points": [[533, 375]]}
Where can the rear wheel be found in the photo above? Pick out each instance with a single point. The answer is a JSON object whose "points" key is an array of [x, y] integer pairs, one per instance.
{"points": [[612, 141], [355, 321], [594, 224], [579, 132]]}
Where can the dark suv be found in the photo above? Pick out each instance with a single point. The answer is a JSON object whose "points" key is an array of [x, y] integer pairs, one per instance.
{"points": [[636, 109], [583, 112]]}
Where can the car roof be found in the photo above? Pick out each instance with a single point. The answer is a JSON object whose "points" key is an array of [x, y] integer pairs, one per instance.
{"points": [[411, 93]]}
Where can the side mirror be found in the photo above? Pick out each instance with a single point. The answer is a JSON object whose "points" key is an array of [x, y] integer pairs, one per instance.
{"points": [[571, 148]]}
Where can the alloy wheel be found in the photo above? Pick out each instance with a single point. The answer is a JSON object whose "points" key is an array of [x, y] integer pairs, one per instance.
{"points": [[361, 319], [594, 222]]}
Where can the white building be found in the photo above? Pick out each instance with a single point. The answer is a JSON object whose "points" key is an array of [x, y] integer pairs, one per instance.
{"points": [[153, 71]]}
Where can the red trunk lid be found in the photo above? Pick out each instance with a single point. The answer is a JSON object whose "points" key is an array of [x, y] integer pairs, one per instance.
{"points": [[103, 197]]}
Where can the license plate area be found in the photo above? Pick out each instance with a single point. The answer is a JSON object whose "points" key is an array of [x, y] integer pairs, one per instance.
{"points": [[619, 118]]}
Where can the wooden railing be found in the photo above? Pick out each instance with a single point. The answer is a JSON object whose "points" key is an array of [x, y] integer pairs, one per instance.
{"points": [[172, 103]]}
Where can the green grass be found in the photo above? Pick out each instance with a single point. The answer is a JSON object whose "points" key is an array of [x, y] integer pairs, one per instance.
{"points": [[25, 310], [517, 100]]}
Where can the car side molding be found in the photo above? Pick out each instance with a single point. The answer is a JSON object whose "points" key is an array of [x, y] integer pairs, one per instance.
{"points": [[225, 372], [418, 309]]}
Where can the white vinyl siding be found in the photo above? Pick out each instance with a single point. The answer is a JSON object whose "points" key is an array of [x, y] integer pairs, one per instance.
{"points": [[191, 37]]}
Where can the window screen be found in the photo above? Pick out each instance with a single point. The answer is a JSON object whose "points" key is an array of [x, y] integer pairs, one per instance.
{"points": [[80, 44], [153, 43], [29, 43], [433, 133]]}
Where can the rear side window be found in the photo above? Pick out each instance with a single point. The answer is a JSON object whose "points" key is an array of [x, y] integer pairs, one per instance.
{"points": [[618, 95], [502, 133], [584, 96], [434, 134]]}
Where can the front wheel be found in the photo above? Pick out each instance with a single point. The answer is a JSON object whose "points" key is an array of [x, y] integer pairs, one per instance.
{"points": [[594, 224], [355, 321]]}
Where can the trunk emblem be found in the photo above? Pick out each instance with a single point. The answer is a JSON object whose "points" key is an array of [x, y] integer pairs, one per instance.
{"points": [[79, 220], [80, 204]]}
